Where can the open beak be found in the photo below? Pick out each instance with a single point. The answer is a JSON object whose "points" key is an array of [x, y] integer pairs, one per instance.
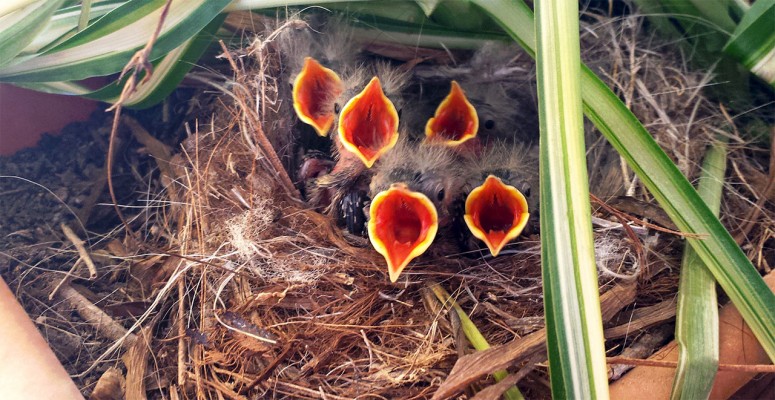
{"points": [[496, 213], [455, 120], [314, 93], [368, 124], [402, 225]]}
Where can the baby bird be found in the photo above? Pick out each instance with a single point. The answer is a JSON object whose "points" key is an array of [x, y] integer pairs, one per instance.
{"points": [[412, 190], [347, 98], [402, 225], [349, 191], [367, 129], [363, 117], [455, 120], [321, 62], [499, 201], [368, 124], [316, 90], [499, 84]]}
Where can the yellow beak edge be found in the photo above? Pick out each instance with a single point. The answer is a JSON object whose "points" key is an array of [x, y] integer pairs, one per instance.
{"points": [[315, 91], [402, 225], [455, 120], [368, 124], [496, 213]]}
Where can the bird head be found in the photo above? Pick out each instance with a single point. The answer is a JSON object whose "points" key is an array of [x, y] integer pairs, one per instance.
{"points": [[432, 170], [315, 91], [402, 225], [496, 213], [455, 120], [368, 124], [500, 82], [394, 79], [498, 204]]}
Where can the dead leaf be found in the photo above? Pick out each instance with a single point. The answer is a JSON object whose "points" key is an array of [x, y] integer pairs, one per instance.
{"points": [[136, 361], [111, 386]]}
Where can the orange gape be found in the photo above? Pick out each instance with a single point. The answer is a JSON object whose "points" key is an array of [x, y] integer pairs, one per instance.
{"points": [[455, 120], [315, 91], [368, 124], [402, 225], [496, 213]]}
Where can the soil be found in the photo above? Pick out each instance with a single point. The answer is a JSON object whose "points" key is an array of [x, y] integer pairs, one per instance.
{"points": [[62, 180]]}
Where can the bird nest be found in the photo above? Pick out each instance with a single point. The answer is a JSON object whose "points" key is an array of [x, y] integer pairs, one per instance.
{"points": [[251, 293]]}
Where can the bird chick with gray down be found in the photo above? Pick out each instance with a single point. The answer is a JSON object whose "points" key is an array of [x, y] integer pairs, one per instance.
{"points": [[412, 191], [318, 75], [368, 127], [347, 99], [430, 169], [502, 193], [498, 80]]}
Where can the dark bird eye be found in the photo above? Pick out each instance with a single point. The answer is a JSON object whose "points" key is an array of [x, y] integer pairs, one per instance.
{"points": [[440, 195], [489, 124], [336, 108]]}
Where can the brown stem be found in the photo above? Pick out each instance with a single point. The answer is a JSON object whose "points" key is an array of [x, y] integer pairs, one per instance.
{"points": [[674, 364]]}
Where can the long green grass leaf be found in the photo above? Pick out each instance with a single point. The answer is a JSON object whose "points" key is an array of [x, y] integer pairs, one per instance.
{"points": [[106, 46], [64, 24], [696, 329], [434, 38], [9, 6], [83, 19], [399, 23], [62, 87], [238, 5], [168, 72], [119, 18], [718, 250], [381, 10], [428, 6], [448, 14], [753, 43], [574, 324], [18, 29]]}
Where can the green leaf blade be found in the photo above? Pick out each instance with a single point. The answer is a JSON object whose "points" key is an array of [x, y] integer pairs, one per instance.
{"points": [[108, 54], [22, 26], [753, 43], [473, 335], [9, 6], [723, 257], [571, 301], [428, 6], [697, 326], [64, 24], [168, 72], [117, 19], [171, 70]]}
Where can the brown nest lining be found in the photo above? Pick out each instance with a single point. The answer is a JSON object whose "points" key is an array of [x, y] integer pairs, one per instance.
{"points": [[251, 294]]}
